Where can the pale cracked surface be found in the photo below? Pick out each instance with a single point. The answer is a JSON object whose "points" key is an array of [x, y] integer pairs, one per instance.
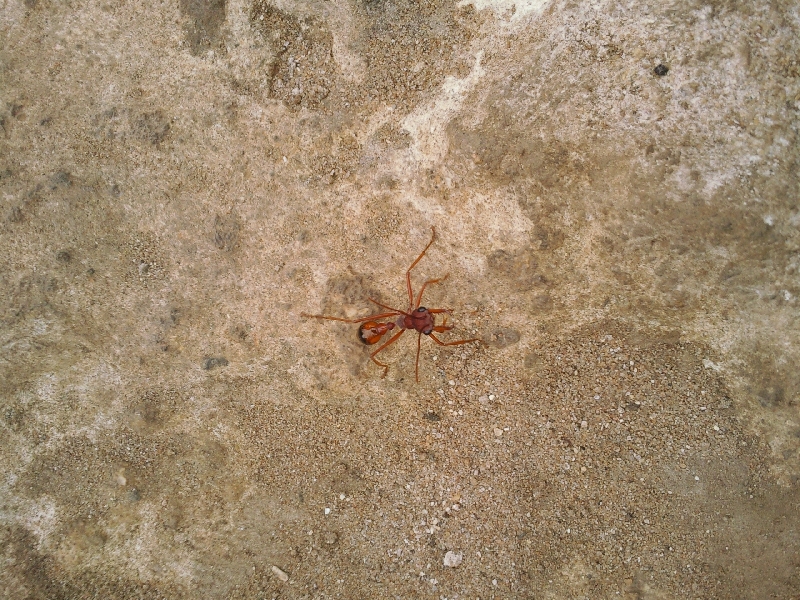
{"points": [[615, 192]]}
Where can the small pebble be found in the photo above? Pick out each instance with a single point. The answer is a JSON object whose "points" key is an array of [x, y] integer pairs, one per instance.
{"points": [[280, 574], [327, 510], [212, 362], [498, 432], [451, 559], [331, 538]]}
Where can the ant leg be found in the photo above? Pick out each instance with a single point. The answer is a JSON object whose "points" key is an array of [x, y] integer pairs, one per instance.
{"points": [[416, 365], [408, 273], [456, 343], [391, 340], [397, 312], [444, 326], [361, 320], [424, 285]]}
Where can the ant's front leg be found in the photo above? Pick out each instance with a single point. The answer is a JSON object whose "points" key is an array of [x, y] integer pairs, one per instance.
{"points": [[444, 326], [456, 343], [426, 284], [408, 273]]}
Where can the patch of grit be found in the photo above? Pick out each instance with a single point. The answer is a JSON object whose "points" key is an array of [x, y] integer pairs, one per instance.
{"points": [[613, 194]]}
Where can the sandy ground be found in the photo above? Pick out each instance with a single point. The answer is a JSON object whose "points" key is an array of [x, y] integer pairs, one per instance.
{"points": [[615, 194]]}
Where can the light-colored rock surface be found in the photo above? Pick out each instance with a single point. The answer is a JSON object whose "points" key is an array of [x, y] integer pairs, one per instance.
{"points": [[180, 180]]}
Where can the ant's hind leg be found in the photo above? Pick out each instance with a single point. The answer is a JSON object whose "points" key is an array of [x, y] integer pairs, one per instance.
{"points": [[380, 364], [397, 312], [361, 320], [391, 340]]}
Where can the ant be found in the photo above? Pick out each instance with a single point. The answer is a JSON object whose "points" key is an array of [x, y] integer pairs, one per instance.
{"points": [[418, 318]]}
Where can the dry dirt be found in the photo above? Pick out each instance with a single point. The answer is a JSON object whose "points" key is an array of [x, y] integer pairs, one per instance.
{"points": [[615, 193]]}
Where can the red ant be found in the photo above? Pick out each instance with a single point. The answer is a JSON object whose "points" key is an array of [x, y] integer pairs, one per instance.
{"points": [[418, 318]]}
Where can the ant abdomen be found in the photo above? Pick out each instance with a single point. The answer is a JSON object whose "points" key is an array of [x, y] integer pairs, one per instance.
{"points": [[372, 332]]}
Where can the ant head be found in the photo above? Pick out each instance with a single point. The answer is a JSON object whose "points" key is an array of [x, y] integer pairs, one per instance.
{"points": [[421, 310]]}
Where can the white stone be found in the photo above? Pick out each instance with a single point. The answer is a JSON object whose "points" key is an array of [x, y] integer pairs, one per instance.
{"points": [[451, 559]]}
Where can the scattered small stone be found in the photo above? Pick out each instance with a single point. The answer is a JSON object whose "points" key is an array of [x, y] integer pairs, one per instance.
{"points": [[503, 337], [226, 231], [327, 510], [330, 538], [212, 362], [498, 432], [451, 559], [280, 574], [661, 70]]}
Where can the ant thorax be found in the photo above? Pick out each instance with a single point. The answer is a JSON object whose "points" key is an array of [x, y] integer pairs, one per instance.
{"points": [[420, 319]]}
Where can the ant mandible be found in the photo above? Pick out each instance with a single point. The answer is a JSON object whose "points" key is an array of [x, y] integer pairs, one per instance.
{"points": [[418, 318]]}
